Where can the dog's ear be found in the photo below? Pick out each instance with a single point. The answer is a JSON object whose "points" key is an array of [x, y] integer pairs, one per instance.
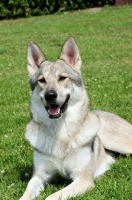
{"points": [[35, 58], [70, 53]]}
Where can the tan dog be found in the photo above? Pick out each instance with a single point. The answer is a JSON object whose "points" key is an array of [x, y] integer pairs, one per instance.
{"points": [[68, 139]]}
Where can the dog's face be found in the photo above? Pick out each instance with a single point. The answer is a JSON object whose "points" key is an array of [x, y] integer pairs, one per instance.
{"points": [[55, 81]]}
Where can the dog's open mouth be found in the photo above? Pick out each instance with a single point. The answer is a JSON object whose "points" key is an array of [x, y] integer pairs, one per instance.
{"points": [[55, 111]]}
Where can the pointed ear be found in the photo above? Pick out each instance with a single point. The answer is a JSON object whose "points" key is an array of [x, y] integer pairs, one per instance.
{"points": [[70, 53], [35, 58]]}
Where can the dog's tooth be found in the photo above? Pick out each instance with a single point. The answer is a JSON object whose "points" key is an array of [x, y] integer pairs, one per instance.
{"points": [[58, 111]]}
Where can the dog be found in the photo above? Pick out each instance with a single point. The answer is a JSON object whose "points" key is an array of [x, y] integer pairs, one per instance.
{"points": [[68, 139]]}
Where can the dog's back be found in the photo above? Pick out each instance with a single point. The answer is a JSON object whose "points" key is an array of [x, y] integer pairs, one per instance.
{"points": [[115, 133]]}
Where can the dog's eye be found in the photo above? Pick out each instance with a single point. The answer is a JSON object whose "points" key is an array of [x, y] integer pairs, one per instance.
{"points": [[42, 80], [62, 78]]}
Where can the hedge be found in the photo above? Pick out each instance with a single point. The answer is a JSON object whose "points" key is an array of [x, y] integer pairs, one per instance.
{"points": [[26, 8]]}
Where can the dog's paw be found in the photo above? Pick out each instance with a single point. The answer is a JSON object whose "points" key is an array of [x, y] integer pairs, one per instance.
{"points": [[53, 197], [25, 198], [50, 198], [22, 198]]}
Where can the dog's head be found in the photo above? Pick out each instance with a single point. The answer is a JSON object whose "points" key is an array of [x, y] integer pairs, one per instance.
{"points": [[55, 81]]}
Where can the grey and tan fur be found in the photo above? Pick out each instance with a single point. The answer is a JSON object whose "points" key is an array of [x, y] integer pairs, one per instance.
{"points": [[68, 139]]}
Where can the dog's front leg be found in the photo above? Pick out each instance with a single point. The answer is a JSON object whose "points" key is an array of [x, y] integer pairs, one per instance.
{"points": [[34, 187], [77, 187]]}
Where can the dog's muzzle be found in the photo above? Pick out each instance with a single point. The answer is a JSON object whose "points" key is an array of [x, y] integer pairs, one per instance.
{"points": [[54, 110]]}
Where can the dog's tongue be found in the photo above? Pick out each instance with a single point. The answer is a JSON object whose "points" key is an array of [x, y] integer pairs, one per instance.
{"points": [[54, 110]]}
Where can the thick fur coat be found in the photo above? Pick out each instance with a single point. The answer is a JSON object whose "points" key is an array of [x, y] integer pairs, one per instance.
{"points": [[68, 139]]}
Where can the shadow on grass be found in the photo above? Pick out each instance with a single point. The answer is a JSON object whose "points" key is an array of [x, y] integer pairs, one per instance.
{"points": [[59, 182], [25, 172]]}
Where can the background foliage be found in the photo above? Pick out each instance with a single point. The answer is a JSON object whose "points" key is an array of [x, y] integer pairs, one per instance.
{"points": [[25, 8]]}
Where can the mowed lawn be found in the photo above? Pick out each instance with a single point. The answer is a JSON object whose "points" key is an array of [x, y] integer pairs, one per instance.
{"points": [[104, 37]]}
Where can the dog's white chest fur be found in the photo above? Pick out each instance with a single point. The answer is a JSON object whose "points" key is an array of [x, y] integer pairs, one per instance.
{"points": [[57, 148], [74, 161], [61, 146], [57, 137]]}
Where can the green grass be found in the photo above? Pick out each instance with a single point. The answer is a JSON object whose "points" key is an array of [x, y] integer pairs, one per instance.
{"points": [[105, 42]]}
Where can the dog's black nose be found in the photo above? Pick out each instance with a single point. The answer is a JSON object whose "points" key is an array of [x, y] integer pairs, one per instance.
{"points": [[50, 95]]}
